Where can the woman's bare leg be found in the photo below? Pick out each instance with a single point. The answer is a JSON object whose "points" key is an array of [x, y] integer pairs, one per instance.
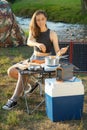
{"points": [[13, 72], [18, 89]]}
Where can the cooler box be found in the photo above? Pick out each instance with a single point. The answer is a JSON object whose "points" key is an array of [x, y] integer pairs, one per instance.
{"points": [[64, 100]]}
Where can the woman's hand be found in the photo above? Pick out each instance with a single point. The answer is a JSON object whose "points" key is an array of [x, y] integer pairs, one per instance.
{"points": [[42, 47], [62, 51]]}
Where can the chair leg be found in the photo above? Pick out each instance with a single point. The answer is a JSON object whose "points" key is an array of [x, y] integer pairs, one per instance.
{"points": [[24, 85], [30, 92], [38, 106], [26, 104]]}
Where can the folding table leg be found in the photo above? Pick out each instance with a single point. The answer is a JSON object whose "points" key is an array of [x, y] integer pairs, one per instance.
{"points": [[25, 96]]}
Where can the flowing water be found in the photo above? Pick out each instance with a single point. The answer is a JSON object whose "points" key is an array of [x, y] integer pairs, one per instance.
{"points": [[66, 32]]}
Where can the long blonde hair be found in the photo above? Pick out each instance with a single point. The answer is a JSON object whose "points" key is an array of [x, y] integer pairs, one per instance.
{"points": [[35, 30]]}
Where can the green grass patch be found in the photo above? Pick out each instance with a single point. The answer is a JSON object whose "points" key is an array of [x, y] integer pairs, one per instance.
{"points": [[58, 10], [18, 119], [12, 118]]}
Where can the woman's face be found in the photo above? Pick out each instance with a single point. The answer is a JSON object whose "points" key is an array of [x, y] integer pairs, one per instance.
{"points": [[41, 20]]}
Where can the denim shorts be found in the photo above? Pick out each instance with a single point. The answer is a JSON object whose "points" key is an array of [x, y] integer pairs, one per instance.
{"points": [[34, 57]]}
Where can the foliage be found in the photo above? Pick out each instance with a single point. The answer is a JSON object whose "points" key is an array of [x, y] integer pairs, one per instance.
{"points": [[84, 6], [11, 1], [58, 10]]}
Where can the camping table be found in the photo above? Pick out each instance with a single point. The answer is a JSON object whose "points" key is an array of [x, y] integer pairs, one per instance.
{"points": [[42, 74]]}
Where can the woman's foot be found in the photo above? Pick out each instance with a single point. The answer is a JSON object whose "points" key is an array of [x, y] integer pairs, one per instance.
{"points": [[10, 104]]}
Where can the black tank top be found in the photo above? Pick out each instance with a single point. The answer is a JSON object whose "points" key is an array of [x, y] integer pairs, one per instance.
{"points": [[44, 38]]}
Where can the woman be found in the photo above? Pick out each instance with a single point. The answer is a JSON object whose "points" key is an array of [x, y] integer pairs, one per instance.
{"points": [[43, 40]]}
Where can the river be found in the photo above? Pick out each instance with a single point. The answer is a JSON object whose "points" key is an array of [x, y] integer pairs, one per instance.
{"points": [[66, 32]]}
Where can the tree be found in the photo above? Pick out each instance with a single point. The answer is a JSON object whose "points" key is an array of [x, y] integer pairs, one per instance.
{"points": [[84, 5], [11, 1]]}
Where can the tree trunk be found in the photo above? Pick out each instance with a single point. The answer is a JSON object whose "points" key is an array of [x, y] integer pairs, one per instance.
{"points": [[84, 5]]}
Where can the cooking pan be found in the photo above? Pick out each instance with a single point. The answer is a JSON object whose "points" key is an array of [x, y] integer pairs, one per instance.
{"points": [[53, 60]]}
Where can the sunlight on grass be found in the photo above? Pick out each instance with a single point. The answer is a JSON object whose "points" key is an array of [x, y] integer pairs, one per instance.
{"points": [[81, 127], [18, 118], [18, 59], [12, 118]]}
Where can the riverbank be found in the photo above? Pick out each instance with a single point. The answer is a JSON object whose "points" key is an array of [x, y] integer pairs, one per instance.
{"points": [[66, 32], [66, 11]]}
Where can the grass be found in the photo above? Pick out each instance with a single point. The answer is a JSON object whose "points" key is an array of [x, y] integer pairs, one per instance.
{"points": [[58, 10], [18, 119]]}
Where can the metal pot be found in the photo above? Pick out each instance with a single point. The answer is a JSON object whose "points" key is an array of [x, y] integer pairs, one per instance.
{"points": [[52, 60]]}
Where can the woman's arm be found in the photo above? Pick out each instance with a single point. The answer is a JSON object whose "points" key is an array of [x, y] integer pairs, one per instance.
{"points": [[54, 39], [62, 51], [32, 42]]}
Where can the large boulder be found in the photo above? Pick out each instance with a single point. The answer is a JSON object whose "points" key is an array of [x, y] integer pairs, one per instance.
{"points": [[11, 33]]}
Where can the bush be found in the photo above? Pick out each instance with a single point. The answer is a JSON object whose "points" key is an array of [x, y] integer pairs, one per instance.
{"points": [[11, 1]]}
